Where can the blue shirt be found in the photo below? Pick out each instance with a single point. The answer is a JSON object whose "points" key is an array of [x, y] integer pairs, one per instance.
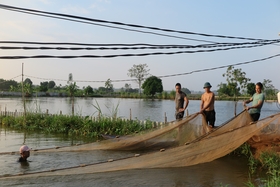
{"points": [[256, 98]]}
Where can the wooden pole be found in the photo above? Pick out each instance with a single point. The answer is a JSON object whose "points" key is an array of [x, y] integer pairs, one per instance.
{"points": [[22, 93]]}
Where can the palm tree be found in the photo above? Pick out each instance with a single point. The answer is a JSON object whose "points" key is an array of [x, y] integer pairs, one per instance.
{"points": [[72, 88]]}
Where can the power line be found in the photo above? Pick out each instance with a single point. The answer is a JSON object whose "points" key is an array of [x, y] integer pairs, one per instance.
{"points": [[11, 79], [172, 75], [24, 10], [114, 27], [127, 46], [130, 55]]}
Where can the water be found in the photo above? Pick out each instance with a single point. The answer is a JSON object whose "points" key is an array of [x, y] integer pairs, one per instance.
{"points": [[230, 170], [142, 109]]}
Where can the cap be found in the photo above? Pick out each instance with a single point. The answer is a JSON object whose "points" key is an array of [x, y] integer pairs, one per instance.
{"points": [[23, 149], [207, 85]]}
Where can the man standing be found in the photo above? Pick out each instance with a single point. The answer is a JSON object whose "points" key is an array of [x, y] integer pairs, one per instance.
{"points": [[207, 105], [258, 99], [180, 99]]}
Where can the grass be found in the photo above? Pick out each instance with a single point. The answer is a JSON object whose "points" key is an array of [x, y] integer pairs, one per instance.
{"points": [[74, 125], [269, 162]]}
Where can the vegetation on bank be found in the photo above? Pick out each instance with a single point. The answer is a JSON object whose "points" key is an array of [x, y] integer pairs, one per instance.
{"points": [[268, 163], [78, 126]]}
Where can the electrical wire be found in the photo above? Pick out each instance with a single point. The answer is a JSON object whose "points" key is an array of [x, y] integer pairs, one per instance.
{"points": [[114, 27], [3, 82], [141, 46], [172, 75], [130, 54], [24, 10]]}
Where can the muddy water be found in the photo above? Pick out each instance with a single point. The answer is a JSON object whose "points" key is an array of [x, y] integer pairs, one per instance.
{"points": [[229, 170]]}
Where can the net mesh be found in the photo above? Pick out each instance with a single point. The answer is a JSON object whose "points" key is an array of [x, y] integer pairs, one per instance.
{"points": [[209, 146], [174, 134]]}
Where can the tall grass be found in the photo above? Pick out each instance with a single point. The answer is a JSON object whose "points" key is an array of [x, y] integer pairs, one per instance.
{"points": [[268, 162], [76, 125]]}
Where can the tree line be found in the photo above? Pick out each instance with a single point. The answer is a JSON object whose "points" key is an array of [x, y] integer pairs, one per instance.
{"points": [[237, 84]]}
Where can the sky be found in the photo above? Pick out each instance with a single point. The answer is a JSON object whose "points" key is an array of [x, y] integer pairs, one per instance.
{"points": [[238, 18]]}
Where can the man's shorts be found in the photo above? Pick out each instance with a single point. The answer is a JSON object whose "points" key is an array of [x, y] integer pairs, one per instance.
{"points": [[255, 116], [210, 117], [179, 115]]}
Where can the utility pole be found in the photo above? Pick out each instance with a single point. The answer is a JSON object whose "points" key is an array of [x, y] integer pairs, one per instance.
{"points": [[23, 95]]}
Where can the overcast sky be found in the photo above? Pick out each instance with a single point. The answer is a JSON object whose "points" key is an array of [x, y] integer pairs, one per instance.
{"points": [[239, 18]]}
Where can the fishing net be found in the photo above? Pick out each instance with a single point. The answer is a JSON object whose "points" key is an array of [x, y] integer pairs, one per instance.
{"points": [[174, 134], [210, 146]]}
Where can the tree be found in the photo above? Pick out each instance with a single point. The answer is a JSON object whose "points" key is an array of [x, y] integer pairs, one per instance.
{"points": [[186, 90], [28, 81], [139, 72], [152, 85], [44, 86], [127, 87], [5, 85], [101, 90], [51, 84], [88, 90], [251, 88], [72, 88], [109, 86], [268, 88], [237, 81], [28, 89]]}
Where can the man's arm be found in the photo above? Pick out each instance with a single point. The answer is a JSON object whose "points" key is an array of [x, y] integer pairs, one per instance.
{"points": [[186, 102], [246, 102]]}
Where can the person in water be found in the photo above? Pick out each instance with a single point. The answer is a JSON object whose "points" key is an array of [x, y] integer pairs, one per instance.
{"points": [[207, 105], [24, 152], [258, 99]]}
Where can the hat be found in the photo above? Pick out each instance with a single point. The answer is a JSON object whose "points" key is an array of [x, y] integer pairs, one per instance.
{"points": [[23, 149], [207, 85]]}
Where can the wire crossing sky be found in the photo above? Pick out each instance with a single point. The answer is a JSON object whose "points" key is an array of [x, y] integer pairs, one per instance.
{"points": [[176, 37]]}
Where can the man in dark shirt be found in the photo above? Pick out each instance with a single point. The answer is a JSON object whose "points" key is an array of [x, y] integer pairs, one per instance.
{"points": [[181, 102], [24, 153]]}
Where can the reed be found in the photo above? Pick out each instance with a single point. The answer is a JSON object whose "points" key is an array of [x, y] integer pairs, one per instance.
{"points": [[84, 127]]}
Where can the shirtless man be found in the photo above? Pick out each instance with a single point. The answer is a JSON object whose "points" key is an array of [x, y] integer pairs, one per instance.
{"points": [[207, 105]]}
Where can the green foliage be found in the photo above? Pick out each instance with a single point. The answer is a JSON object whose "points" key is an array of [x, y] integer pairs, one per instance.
{"points": [[51, 84], [245, 150], [186, 90], [72, 88], [271, 161], [251, 88], [109, 86], [74, 125], [236, 79], [152, 85], [5, 85], [44, 86], [28, 81], [172, 94], [88, 90], [268, 88]]}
